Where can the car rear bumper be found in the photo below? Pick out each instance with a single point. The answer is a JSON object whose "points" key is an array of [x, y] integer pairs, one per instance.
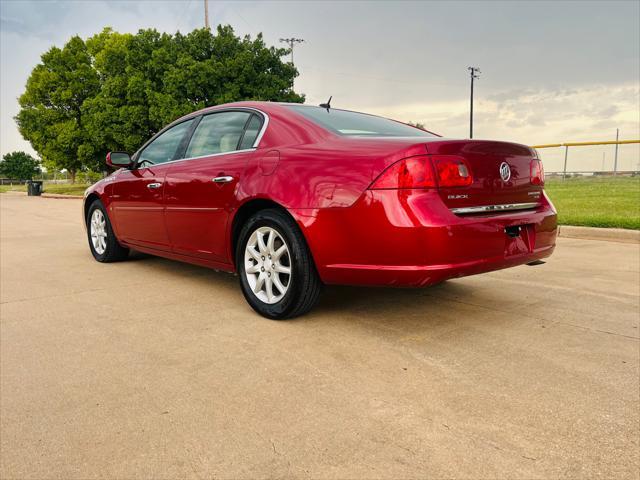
{"points": [[410, 238]]}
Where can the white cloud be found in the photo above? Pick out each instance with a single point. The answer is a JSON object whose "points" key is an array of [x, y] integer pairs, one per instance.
{"points": [[542, 116]]}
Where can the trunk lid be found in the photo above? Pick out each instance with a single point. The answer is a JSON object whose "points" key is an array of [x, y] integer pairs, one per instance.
{"points": [[489, 189]]}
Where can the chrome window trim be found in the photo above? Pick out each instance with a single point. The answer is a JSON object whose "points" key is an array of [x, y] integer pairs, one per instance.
{"points": [[265, 123], [495, 208], [256, 143]]}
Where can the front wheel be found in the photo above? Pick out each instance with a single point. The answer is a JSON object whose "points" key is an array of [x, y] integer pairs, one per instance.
{"points": [[277, 274], [102, 241]]}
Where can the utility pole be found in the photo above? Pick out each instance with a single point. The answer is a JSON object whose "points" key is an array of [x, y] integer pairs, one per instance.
{"points": [[206, 15], [475, 74], [291, 42], [615, 158]]}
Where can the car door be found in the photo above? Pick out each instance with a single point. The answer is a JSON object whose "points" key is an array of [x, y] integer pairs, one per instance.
{"points": [[138, 203], [200, 191]]}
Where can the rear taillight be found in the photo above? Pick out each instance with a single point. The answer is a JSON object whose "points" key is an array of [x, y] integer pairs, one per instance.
{"points": [[425, 172], [413, 172], [537, 172], [452, 171]]}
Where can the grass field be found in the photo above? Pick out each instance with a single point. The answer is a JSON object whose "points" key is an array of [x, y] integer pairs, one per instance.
{"points": [[12, 188], [597, 202]]}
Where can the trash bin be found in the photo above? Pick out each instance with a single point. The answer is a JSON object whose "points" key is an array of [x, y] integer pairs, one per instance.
{"points": [[34, 188]]}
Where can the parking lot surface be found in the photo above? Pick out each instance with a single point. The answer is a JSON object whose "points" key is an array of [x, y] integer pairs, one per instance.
{"points": [[156, 369]]}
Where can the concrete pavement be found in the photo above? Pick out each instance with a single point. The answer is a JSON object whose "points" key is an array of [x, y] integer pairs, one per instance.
{"points": [[156, 369]]}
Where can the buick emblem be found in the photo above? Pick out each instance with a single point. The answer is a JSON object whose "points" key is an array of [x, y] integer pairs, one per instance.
{"points": [[505, 171]]}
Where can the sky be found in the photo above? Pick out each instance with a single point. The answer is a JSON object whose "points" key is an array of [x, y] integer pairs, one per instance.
{"points": [[551, 72]]}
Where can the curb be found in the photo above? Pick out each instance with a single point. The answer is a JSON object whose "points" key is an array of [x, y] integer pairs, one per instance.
{"points": [[592, 233], [56, 195]]}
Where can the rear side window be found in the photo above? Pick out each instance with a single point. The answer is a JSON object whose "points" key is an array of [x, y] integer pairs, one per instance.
{"points": [[217, 133], [164, 147], [251, 133], [344, 122]]}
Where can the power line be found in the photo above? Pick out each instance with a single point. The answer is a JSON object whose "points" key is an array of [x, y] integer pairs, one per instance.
{"points": [[475, 74], [182, 14], [416, 83], [241, 17]]}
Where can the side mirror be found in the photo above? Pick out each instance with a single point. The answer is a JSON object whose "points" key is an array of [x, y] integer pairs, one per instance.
{"points": [[118, 159]]}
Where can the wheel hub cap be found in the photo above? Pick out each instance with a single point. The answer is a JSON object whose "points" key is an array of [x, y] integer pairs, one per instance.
{"points": [[98, 231], [267, 265]]}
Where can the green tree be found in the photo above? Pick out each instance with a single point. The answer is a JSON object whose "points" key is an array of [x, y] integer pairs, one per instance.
{"points": [[151, 78], [417, 125], [51, 116], [19, 165], [115, 90]]}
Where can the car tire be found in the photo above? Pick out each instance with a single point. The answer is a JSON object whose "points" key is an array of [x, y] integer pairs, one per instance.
{"points": [[102, 241], [284, 249]]}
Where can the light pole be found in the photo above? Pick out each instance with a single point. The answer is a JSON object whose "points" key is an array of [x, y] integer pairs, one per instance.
{"points": [[291, 42], [475, 74], [206, 14]]}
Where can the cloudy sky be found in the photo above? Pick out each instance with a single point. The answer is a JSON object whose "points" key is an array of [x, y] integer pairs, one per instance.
{"points": [[551, 71]]}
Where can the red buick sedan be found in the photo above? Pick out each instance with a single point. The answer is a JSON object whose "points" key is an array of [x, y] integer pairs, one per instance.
{"points": [[292, 197]]}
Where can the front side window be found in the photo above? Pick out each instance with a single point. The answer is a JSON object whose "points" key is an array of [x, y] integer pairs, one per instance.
{"points": [[217, 133], [344, 122], [165, 147]]}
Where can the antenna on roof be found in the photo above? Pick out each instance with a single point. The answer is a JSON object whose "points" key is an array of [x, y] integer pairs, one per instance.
{"points": [[327, 105]]}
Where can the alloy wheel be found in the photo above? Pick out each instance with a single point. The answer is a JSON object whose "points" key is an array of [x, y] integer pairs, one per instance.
{"points": [[98, 230], [267, 265]]}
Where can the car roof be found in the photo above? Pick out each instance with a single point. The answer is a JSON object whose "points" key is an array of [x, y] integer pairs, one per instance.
{"points": [[266, 106], [260, 105]]}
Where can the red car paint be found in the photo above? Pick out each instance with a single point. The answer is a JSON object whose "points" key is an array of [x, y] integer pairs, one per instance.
{"points": [[357, 234]]}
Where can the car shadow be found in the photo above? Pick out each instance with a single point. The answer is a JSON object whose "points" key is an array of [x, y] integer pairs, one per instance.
{"points": [[336, 298], [391, 301], [183, 269], [401, 308]]}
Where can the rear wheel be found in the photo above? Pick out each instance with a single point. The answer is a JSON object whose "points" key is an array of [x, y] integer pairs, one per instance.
{"points": [[277, 274], [102, 241]]}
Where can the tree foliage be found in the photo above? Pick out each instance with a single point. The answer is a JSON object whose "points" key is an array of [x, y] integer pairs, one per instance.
{"points": [[115, 90], [51, 107], [19, 165]]}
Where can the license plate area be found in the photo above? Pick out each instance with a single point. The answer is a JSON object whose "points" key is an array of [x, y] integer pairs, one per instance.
{"points": [[519, 239]]}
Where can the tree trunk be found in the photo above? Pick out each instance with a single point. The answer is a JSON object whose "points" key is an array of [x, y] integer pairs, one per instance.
{"points": [[73, 176]]}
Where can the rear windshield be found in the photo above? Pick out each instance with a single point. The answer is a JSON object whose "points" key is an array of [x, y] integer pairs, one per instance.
{"points": [[344, 122]]}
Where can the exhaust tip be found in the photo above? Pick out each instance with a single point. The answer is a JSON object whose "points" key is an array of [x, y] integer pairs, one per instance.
{"points": [[536, 262]]}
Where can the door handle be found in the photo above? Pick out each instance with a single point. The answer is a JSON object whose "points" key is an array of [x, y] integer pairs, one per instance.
{"points": [[154, 185], [224, 179]]}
